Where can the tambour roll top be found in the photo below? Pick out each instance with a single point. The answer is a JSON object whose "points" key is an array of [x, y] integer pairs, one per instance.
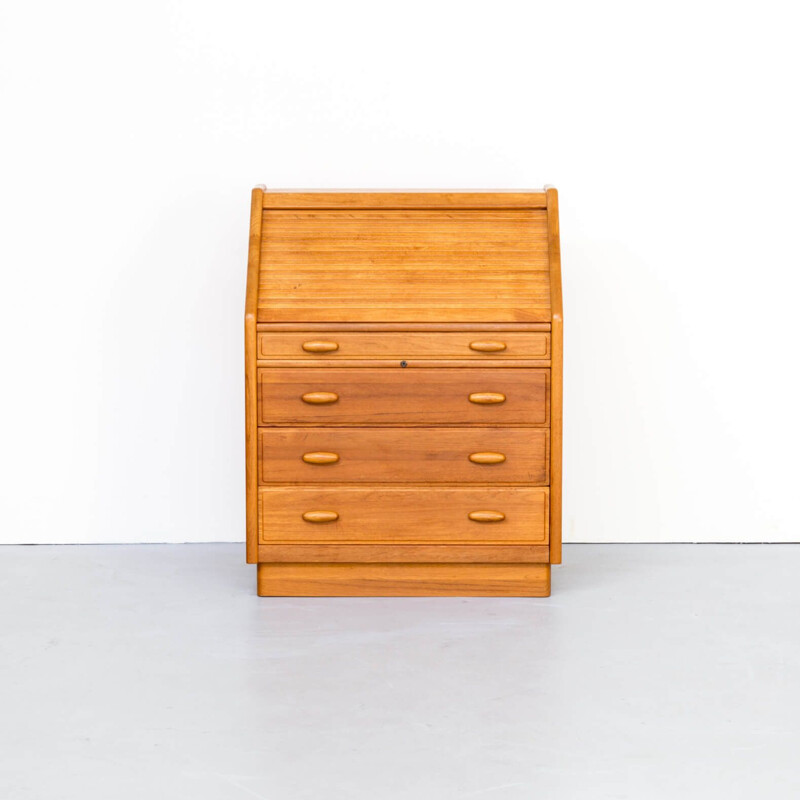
{"points": [[388, 258]]}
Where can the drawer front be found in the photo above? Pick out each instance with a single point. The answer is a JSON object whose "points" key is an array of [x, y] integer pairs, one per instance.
{"points": [[298, 396], [404, 455], [334, 345], [394, 514]]}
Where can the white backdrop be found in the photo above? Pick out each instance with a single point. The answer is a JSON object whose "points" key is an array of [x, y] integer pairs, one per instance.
{"points": [[132, 135]]}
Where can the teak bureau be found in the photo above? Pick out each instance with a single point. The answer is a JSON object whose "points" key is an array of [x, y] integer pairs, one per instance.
{"points": [[403, 372]]}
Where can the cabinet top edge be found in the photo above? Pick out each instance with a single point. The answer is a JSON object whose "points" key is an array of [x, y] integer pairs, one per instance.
{"points": [[455, 327], [402, 199]]}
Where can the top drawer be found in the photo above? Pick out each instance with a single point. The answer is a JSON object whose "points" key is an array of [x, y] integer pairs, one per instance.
{"points": [[333, 345]]}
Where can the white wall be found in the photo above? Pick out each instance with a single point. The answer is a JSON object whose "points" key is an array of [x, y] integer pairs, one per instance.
{"points": [[132, 135]]}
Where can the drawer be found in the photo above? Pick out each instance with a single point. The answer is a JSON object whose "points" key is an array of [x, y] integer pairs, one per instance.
{"points": [[364, 396], [403, 515], [338, 345], [404, 455]]}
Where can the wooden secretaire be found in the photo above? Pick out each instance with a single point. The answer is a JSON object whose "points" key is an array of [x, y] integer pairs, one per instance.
{"points": [[403, 371]]}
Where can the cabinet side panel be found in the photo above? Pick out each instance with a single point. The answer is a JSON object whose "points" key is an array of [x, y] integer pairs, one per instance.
{"points": [[556, 377], [250, 377]]}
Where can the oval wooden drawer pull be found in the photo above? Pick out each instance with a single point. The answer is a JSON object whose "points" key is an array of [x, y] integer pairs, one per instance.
{"points": [[487, 458], [320, 347], [320, 516], [320, 458], [487, 398], [487, 347], [320, 398], [487, 516]]}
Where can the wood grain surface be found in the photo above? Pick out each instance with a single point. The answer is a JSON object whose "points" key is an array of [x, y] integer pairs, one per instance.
{"points": [[404, 580], [403, 396], [406, 553], [399, 199], [374, 265], [404, 392], [404, 455], [387, 327], [556, 424], [476, 346], [404, 515], [250, 378]]}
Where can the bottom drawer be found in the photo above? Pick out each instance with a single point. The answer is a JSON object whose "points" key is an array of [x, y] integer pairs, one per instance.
{"points": [[403, 515]]}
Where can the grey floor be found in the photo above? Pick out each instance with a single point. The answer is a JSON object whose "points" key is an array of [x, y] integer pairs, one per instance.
{"points": [[654, 671]]}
